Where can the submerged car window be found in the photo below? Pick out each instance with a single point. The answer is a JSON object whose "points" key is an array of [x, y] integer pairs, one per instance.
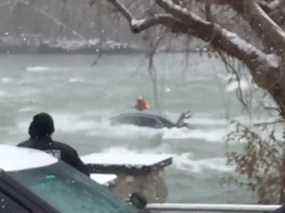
{"points": [[70, 191], [146, 121], [128, 119]]}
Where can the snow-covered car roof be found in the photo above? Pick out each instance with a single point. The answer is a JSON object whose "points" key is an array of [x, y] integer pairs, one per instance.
{"points": [[13, 158]]}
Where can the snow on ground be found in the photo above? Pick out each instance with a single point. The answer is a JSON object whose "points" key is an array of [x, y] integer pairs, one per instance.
{"points": [[23, 158], [104, 179]]}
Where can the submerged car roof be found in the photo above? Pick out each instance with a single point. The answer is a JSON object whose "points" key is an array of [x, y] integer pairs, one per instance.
{"points": [[13, 158], [144, 115], [140, 114]]}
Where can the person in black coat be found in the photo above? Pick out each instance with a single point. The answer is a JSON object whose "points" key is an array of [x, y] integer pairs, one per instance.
{"points": [[40, 131]]}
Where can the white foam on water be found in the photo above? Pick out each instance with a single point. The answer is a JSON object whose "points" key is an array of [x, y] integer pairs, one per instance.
{"points": [[235, 85], [22, 127], [6, 80], [3, 94], [97, 125], [100, 127], [38, 69], [205, 121], [67, 122], [63, 122], [167, 89], [185, 163], [75, 80], [27, 109], [104, 128], [43, 69], [210, 135], [72, 123], [27, 93], [126, 157], [224, 77]]}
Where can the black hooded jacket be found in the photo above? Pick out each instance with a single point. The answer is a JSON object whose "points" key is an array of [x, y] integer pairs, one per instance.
{"points": [[58, 150]]}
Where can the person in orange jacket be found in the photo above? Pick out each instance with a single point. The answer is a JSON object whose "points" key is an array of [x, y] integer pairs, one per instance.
{"points": [[142, 104]]}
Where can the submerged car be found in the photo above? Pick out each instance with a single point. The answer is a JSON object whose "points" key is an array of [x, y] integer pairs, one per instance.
{"points": [[150, 120], [33, 181]]}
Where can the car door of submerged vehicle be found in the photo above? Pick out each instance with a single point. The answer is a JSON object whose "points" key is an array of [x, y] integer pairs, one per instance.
{"points": [[70, 191], [149, 121], [125, 119]]}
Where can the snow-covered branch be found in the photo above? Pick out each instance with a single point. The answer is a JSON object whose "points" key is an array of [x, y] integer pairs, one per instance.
{"points": [[275, 10], [185, 21], [157, 19], [219, 37], [139, 25], [262, 24]]}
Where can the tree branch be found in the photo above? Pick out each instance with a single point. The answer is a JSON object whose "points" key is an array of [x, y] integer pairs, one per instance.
{"points": [[219, 37], [169, 21], [183, 20], [262, 24], [139, 25], [275, 4], [275, 10], [263, 17], [123, 10], [221, 2]]}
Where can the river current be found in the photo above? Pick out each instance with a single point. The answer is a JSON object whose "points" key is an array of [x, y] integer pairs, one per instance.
{"points": [[82, 98]]}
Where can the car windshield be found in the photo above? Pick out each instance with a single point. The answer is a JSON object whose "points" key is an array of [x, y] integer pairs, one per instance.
{"points": [[69, 191]]}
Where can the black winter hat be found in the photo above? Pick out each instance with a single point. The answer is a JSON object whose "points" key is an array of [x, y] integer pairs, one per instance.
{"points": [[42, 125]]}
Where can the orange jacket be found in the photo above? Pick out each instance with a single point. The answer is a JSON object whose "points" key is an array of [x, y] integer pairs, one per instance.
{"points": [[142, 105]]}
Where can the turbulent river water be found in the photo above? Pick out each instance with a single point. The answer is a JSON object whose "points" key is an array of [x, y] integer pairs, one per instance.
{"points": [[82, 98]]}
